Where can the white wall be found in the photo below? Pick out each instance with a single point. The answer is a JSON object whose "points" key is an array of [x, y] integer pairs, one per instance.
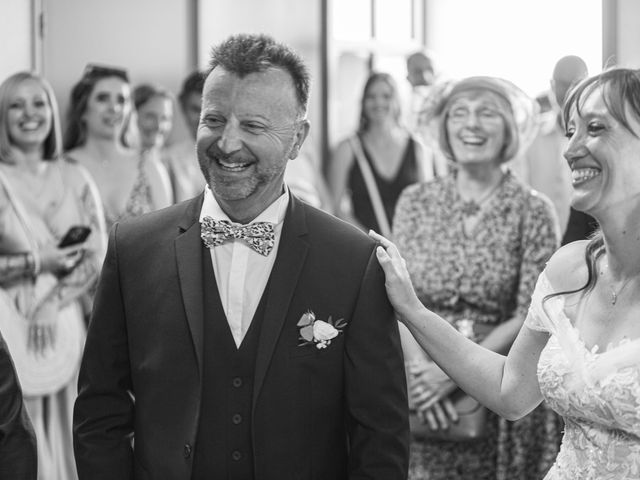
{"points": [[150, 38], [520, 41], [15, 37], [628, 37]]}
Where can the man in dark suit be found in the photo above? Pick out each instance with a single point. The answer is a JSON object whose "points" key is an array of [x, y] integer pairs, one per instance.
{"points": [[243, 334], [18, 456]]}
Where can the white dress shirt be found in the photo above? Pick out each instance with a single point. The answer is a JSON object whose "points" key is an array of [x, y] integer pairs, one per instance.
{"points": [[241, 272]]}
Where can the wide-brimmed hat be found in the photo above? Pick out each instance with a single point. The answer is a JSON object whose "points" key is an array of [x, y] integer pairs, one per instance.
{"points": [[520, 111]]}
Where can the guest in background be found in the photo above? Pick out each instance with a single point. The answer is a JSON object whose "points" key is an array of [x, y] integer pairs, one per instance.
{"points": [[425, 90], [181, 161], [154, 113], [370, 169], [475, 242], [130, 183], [305, 179], [42, 195], [543, 167], [421, 77]]}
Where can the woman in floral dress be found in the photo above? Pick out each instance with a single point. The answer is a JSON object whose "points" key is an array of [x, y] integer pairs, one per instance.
{"points": [[475, 242], [44, 286]]}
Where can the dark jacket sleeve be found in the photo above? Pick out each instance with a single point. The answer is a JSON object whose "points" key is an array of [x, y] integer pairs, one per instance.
{"points": [[18, 456], [376, 395], [104, 410]]}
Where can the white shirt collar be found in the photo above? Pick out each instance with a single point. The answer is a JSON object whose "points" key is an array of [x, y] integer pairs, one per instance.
{"points": [[274, 213]]}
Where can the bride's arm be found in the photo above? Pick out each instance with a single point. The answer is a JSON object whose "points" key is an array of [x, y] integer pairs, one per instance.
{"points": [[506, 385]]}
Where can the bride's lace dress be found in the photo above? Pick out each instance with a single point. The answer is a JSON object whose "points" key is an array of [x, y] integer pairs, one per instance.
{"points": [[597, 393]]}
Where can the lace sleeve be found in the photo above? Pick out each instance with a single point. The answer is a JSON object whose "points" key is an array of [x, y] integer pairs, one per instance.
{"points": [[537, 317]]}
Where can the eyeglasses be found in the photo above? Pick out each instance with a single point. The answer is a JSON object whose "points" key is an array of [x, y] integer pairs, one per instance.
{"points": [[93, 70], [483, 114]]}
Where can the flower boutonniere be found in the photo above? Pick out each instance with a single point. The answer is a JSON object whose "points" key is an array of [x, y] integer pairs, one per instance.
{"points": [[318, 332]]}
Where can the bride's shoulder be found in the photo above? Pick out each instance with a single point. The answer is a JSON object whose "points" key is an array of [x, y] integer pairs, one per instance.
{"points": [[567, 267]]}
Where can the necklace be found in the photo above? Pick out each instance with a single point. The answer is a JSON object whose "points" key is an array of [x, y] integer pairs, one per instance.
{"points": [[614, 294], [472, 207]]}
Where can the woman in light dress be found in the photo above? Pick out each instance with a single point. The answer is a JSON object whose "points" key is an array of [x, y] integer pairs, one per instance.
{"points": [[43, 285], [130, 183], [579, 348]]}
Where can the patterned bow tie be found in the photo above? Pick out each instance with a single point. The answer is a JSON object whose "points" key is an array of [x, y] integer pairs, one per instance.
{"points": [[259, 235]]}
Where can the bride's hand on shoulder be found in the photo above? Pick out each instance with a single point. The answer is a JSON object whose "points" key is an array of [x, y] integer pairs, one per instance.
{"points": [[397, 280]]}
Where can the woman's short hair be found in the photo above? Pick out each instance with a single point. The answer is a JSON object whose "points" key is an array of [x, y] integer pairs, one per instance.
{"points": [[621, 89], [395, 98], [76, 133], [53, 142], [501, 90]]}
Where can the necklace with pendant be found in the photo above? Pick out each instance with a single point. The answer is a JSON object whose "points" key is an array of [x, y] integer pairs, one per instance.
{"points": [[614, 294], [469, 208]]}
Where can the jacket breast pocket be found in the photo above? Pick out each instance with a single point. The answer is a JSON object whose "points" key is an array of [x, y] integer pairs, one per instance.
{"points": [[303, 351]]}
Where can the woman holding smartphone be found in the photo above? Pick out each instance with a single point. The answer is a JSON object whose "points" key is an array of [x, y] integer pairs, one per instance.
{"points": [[48, 205]]}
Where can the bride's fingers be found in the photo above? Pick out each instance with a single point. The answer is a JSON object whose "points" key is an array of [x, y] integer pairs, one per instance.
{"points": [[376, 236], [383, 256]]}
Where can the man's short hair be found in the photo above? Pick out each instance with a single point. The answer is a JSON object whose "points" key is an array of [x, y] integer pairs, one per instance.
{"points": [[194, 83], [244, 54]]}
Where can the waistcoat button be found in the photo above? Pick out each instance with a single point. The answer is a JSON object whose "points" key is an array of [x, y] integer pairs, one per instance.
{"points": [[236, 419], [236, 455], [187, 450]]}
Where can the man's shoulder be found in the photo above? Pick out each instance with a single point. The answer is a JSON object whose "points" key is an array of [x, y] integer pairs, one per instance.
{"points": [[334, 232], [155, 223]]}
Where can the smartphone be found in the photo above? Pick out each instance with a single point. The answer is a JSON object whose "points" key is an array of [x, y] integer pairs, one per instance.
{"points": [[76, 234]]}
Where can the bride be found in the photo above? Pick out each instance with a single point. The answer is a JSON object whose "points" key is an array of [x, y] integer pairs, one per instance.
{"points": [[580, 346]]}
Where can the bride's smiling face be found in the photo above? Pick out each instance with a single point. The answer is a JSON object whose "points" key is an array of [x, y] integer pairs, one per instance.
{"points": [[603, 154]]}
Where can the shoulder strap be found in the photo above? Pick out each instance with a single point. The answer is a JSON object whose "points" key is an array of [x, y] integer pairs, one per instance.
{"points": [[372, 187]]}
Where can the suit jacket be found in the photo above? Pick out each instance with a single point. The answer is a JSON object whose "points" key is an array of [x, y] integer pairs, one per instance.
{"points": [[18, 458], [333, 413]]}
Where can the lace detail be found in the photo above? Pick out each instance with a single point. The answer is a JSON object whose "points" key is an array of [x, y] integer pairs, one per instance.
{"points": [[597, 393], [140, 200]]}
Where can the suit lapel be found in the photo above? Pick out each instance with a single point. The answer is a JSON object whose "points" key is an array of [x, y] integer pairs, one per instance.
{"points": [[189, 261], [283, 280]]}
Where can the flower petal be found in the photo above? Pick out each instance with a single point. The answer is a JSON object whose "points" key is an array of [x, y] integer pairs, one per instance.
{"points": [[307, 333], [305, 319]]}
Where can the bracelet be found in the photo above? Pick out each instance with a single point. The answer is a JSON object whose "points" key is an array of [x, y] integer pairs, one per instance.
{"points": [[33, 263]]}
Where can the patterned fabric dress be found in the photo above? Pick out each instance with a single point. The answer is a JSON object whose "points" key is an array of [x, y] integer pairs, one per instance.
{"points": [[486, 276], [52, 300]]}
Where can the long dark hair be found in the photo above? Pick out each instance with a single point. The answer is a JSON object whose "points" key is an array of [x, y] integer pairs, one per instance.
{"points": [[620, 90], [76, 133]]}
